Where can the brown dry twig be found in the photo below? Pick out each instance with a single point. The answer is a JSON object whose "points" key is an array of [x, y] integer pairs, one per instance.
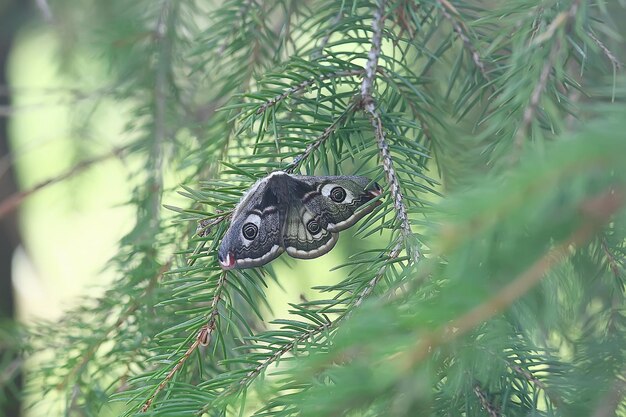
{"points": [[13, 201]]}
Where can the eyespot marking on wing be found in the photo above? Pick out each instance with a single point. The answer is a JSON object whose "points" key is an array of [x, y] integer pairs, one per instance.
{"points": [[335, 190]]}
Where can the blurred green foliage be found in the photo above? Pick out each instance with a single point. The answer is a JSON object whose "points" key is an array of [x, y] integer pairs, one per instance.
{"points": [[496, 127]]}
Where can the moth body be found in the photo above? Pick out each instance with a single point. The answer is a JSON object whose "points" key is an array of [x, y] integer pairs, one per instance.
{"points": [[299, 214]]}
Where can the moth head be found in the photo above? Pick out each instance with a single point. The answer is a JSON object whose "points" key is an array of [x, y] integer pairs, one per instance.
{"points": [[375, 190], [227, 260]]}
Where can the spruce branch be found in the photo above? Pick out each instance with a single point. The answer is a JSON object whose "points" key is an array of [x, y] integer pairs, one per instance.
{"points": [[315, 144], [304, 85], [530, 111], [309, 334], [561, 20], [596, 211], [203, 338], [528, 376], [244, 39], [369, 106], [395, 252], [535, 97], [106, 335], [251, 375], [609, 405], [606, 51], [535, 381], [614, 263], [162, 35], [199, 340], [453, 16], [241, 13], [13, 201], [484, 401]]}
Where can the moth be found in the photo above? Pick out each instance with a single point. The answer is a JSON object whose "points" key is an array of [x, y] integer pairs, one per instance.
{"points": [[298, 214]]}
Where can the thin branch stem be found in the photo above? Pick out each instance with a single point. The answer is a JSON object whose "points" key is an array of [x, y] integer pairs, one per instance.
{"points": [[203, 338], [533, 380], [369, 106], [13, 201], [448, 10], [614, 263], [395, 252], [484, 401], [134, 306], [535, 97], [314, 145], [530, 111], [304, 85], [606, 51]]}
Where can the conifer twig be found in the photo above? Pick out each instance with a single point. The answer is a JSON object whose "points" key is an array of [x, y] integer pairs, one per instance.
{"points": [[395, 252], [288, 347], [534, 380], [614, 263], [247, 379], [484, 401], [236, 28], [562, 18], [203, 338], [369, 106], [535, 97], [528, 376], [607, 52], [11, 202], [304, 85], [596, 211], [160, 97], [312, 146], [448, 10], [134, 306]]}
